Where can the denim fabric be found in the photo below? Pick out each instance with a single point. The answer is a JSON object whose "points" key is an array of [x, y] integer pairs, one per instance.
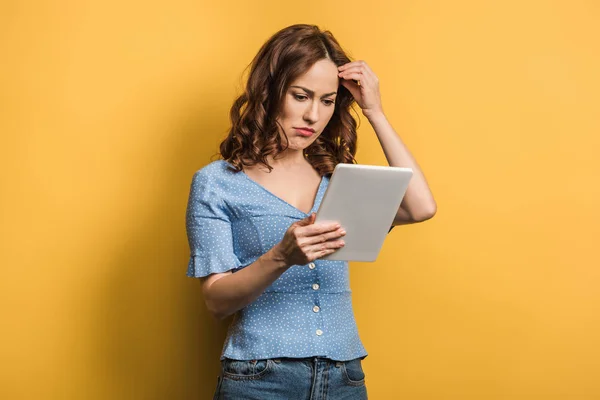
{"points": [[312, 378]]}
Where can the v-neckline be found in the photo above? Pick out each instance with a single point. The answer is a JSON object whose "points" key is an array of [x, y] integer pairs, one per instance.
{"points": [[319, 188]]}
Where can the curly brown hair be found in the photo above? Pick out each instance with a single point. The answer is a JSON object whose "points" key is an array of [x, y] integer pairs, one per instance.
{"points": [[254, 131]]}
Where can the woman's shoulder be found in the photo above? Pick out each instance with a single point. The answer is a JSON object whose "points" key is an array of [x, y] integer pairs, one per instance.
{"points": [[217, 174], [215, 170]]}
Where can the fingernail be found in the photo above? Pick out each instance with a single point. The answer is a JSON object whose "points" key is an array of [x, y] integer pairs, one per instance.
{"points": [[343, 232]]}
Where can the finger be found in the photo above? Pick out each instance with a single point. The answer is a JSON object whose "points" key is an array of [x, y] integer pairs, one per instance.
{"points": [[317, 229], [307, 221], [347, 74], [353, 87], [351, 64], [317, 248], [356, 68], [365, 71], [325, 253], [360, 66], [357, 76], [368, 70], [324, 237]]}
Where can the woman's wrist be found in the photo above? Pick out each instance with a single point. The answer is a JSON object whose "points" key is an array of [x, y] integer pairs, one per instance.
{"points": [[374, 116], [276, 258]]}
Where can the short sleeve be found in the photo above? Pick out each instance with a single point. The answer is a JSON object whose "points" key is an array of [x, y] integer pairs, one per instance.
{"points": [[208, 227]]}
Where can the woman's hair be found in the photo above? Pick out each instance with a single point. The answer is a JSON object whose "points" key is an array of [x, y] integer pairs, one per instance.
{"points": [[254, 133]]}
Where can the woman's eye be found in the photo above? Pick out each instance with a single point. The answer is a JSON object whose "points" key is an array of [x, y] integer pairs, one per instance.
{"points": [[299, 97], [328, 102]]}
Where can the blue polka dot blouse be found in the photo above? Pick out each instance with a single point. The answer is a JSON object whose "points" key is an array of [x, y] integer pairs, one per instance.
{"points": [[232, 220]]}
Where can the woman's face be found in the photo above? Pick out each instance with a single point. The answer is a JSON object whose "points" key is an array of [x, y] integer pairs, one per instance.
{"points": [[309, 103]]}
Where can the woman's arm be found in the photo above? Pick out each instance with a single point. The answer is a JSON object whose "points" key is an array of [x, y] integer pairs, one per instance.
{"points": [[304, 241], [226, 293], [418, 204]]}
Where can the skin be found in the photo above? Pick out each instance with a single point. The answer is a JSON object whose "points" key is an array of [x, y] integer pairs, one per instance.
{"points": [[309, 102], [293, 179], [418, 204]]}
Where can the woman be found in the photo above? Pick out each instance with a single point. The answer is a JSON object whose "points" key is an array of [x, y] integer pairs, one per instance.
{"points": [[250, 221]]}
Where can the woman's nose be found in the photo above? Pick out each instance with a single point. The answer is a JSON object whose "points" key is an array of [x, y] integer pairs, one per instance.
{"points": [[312, 113]]}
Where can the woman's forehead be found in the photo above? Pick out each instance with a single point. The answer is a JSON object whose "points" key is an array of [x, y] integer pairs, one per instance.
{"points": [[321, 78]]}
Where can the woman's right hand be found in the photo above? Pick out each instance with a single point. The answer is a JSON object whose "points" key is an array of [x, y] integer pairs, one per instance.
{"points": [[305, 241]]}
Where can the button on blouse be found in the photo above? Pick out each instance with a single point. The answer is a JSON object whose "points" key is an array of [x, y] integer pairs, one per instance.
{"points": [[232, 220]]}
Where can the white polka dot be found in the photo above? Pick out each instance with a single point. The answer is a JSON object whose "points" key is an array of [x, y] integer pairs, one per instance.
{"points": [[231, 221]]}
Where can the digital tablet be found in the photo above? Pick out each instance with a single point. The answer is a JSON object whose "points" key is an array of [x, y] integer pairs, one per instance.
{"points": [[364, 200]]}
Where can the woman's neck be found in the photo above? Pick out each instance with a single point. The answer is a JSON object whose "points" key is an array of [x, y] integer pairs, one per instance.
{"points": [[288, 159]]}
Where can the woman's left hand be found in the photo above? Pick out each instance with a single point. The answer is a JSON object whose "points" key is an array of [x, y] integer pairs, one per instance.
{"points": [[366, 91]]}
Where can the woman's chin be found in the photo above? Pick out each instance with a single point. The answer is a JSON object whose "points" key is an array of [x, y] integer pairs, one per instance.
{"points": [[298, 145]]}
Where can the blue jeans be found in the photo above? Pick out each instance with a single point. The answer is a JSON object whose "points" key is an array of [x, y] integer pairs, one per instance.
{"points": [[291, 378]]}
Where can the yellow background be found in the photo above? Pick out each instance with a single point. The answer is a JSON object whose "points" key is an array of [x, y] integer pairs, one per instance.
{"points": [[107, 108]]}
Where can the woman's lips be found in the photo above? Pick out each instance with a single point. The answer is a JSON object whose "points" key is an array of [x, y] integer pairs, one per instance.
{"points": [[304, 132]]}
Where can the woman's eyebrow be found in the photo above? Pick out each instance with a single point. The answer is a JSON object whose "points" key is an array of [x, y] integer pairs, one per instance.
{"points": [[311, 92]]}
